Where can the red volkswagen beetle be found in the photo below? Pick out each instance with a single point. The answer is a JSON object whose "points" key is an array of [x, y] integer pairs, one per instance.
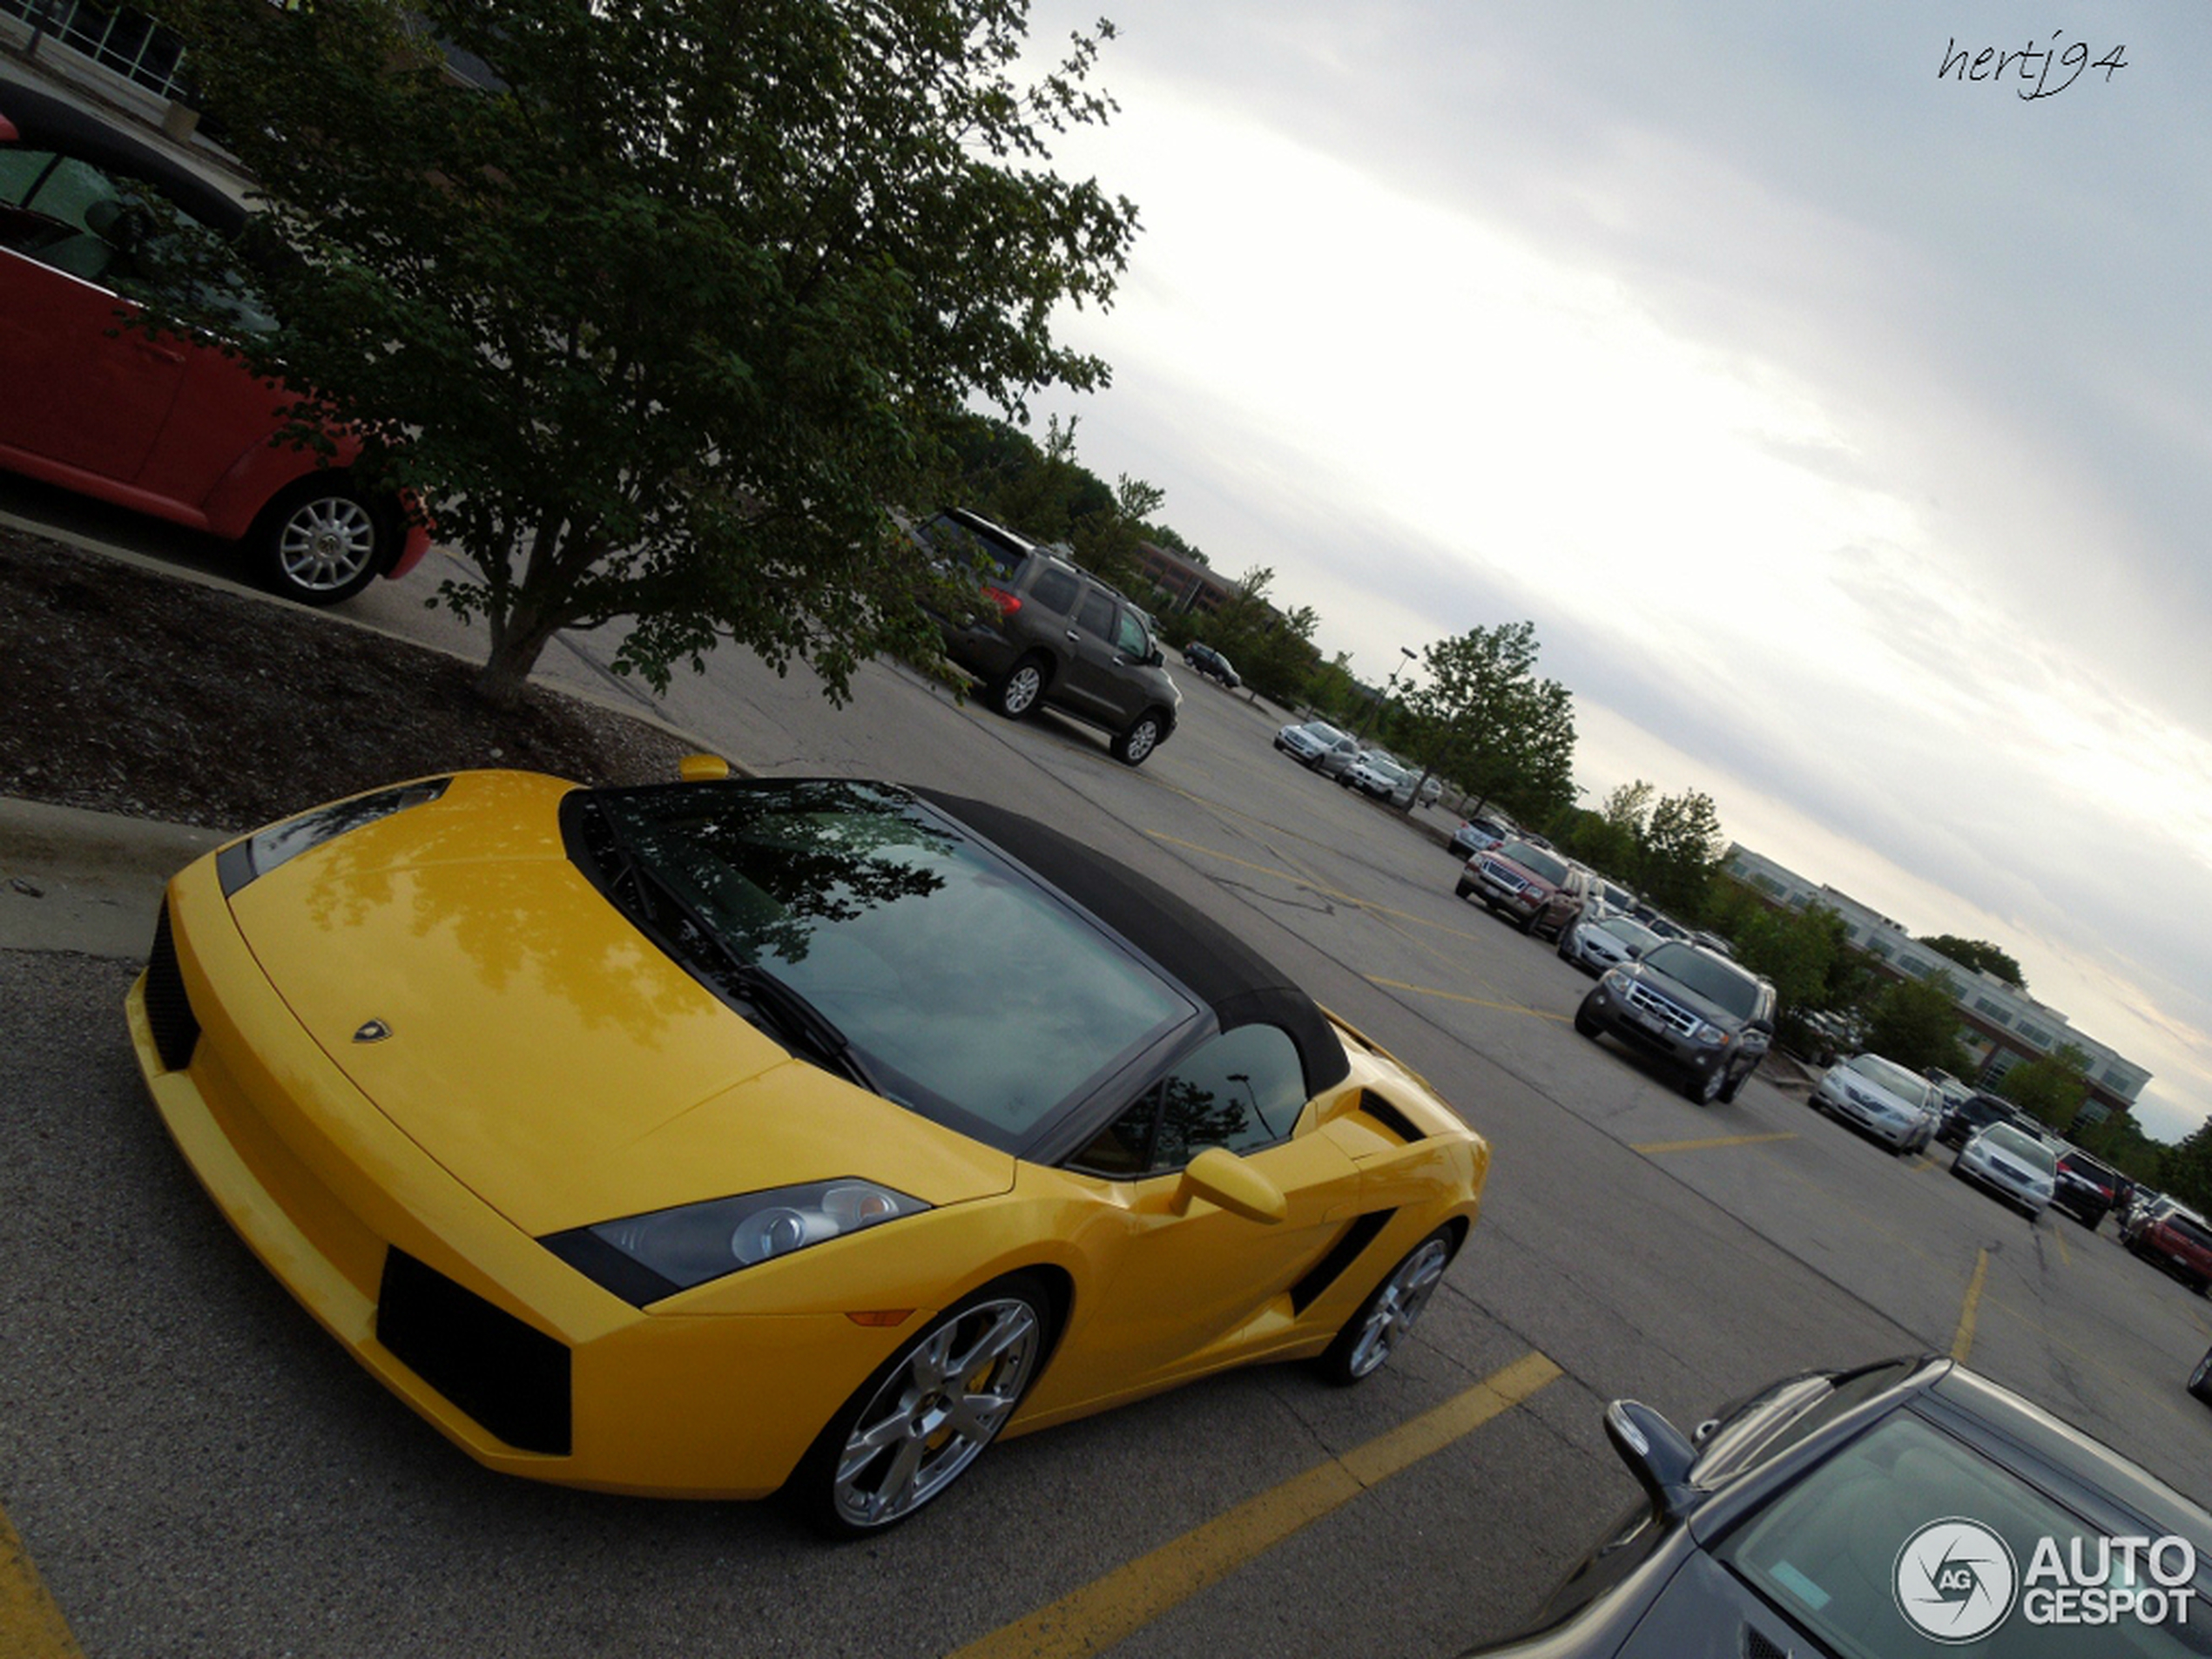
{"points": [[157, 422]]}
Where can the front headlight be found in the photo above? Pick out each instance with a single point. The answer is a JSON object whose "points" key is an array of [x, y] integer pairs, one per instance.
{"points": [[1617, 981], [261, 852], [1712, 1036], [642, 1258]]}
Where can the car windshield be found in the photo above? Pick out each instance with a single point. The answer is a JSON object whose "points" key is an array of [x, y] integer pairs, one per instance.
{"points": [[1629, 932], [1535, 860], [1889, 1075], [1725, 987], [968, 992], [1324, 733], [2013, 1142], [1866, 1552]]}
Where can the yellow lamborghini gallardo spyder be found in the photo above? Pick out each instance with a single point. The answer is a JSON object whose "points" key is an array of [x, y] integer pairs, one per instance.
{"points": [[720, 1137]]}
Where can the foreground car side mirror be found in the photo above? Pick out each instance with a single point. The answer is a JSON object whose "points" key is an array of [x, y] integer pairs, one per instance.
{"points": [[1228, 1182], [1657, 1453], [702, 769]]}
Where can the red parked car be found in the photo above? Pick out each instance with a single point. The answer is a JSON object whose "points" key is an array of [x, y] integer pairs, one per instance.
{"points": [[2181, 1243], [157, 423]]}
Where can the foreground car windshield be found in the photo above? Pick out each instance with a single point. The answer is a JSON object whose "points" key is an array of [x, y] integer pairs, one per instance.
{"points": [[1893, 1077], [1535, 860], [2003, 1138], [970, 994], [1716, 981]]}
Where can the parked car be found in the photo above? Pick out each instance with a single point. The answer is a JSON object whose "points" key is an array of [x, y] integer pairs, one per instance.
{"points": [[2086, 1187], [1053, 635], [1974, 1114], [1316, 741], [820, 1131], [2200, 1382], [2178, 1240], [1206, 660], [2005, 1160], [1476, 835], [1705, 1015], [1515, 880], [2142, 1204], [93, 221], [1614, 897], [1595, 942], [1828, 1516], [1576, 893], [1379, 775], [1881, 1099]]}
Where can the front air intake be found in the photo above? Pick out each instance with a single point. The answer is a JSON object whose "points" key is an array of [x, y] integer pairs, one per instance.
{"points": [[176, 1029], [510, 1377]]}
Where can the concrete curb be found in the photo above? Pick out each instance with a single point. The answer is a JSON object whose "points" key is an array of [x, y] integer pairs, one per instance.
{"points": [[87, 882]]}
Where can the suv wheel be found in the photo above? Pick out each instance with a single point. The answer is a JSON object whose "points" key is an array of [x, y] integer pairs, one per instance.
{"points": [[1142, 736], [1016, 691], [1704, 1087]]}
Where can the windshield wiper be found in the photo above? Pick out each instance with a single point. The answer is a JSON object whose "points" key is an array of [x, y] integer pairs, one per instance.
{"points": [[795, 1019]]}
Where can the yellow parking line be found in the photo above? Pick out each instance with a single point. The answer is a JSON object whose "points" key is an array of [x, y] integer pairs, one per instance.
{"points": [[1718, 1140], [1962, 1343], [2066, 1257], [1462, 997], [31, 1626], [1108, 1610]]}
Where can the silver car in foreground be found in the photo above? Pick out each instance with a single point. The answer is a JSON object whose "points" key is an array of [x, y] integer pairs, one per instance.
{"points": [[1881, 1098], [2012, 1163], [1317, 741]]}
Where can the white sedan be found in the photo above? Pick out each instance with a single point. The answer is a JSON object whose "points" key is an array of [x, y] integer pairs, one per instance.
{"points": [[1595, 942], [2017, 1166], [1883, 1099]]}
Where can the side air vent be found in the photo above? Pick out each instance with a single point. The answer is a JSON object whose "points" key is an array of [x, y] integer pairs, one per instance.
{"points": [[1389, 1116], [176, 1029], [1758, 1645], [1341, 1255]]}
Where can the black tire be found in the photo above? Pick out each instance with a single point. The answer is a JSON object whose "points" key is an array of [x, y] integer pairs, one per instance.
{"points": [[1586, 1023], [1736, 1081], [1143, 734], [1018, 692], [1391, 1309], [2200, 1382], [322, 540], [1463, 888], [1016, 1312], [1702, 1088]]}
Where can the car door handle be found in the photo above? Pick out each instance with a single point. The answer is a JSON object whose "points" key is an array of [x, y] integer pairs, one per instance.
{"points": [[1072, 634]]}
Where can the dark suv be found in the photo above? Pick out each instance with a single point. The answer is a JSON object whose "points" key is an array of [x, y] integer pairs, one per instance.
{"points": [[1712, 1019], [1052, 633], [2085, 1188], [1973, 1114], [1211, 663]]}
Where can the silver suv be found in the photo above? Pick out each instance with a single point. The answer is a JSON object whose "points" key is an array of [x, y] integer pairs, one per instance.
{"points": [[1052, 633]]}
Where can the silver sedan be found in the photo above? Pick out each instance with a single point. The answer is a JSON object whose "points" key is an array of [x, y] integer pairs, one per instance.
{"points": [[1594, 943]]}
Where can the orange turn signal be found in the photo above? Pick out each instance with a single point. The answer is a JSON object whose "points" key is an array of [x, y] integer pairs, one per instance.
{"points": [[881, 1316]]}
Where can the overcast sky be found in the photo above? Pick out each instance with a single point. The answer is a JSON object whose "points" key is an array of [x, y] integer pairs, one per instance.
{"points": [[1843, 428]]}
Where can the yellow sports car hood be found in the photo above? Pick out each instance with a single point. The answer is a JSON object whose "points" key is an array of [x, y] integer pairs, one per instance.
{"points": [[472, 984]]}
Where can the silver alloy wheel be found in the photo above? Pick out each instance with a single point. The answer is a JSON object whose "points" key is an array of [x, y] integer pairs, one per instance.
{"points": [[1022, 688], [1708, 1089], [2198, 1377], [326, 542], [950, 1393], [1397, 1306], [1142, 739]]}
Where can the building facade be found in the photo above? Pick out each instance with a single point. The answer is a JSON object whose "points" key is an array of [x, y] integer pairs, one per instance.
{"points": [[2001, 1025]]}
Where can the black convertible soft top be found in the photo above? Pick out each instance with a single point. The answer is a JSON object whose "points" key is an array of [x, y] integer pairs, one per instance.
{"points": [[1240, 986]]}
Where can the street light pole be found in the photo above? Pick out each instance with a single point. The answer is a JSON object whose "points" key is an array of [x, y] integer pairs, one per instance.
{"points": [[1366, 724]]}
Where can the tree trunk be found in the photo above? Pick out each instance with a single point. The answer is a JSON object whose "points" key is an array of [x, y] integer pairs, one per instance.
{"points": [[516, 641]]}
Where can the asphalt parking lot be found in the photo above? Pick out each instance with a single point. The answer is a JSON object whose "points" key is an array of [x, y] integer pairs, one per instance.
{"points": [[193, 1469]]}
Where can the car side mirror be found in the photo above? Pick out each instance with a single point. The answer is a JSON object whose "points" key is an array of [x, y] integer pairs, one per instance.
{"points": [[1765, 1027], [1228, 1182], [1657, 1454], [1156, 658]]}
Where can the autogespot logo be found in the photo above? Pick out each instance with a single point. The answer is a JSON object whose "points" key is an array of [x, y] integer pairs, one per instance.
{"points": [[1955, 1581]]}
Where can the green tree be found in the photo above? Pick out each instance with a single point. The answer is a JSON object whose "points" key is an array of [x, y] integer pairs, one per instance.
{"points": [[1681, 848], [1481, 716], [658, 324], [1915, 1022], [2053, 1086], [1978, 953]]}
